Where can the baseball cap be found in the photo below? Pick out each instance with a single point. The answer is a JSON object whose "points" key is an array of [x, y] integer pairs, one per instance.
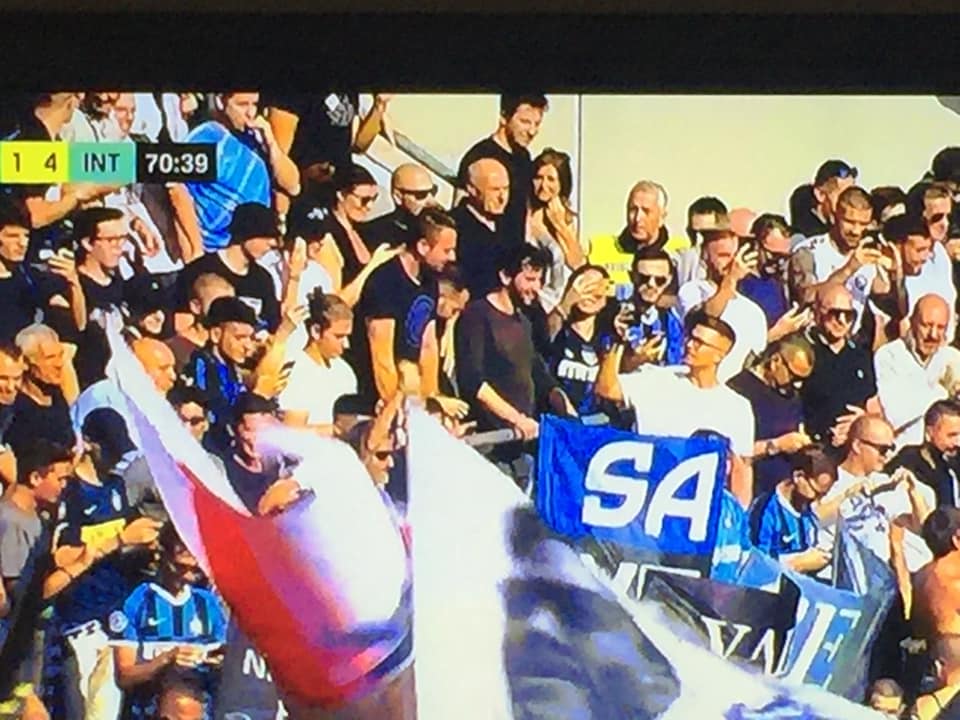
{"points": [[946, 165], [229, 309], [253, 220], [719, 227], [306, 219], [144, 295], [834, 169]]}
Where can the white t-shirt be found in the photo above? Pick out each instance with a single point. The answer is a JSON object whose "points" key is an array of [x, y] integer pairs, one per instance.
{"points": [[741, 313], [669, 404], [906, 388], [893, 503], [315, 388], [936, 278]]}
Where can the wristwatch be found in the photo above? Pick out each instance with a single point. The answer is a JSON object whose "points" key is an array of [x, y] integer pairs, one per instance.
{"points": [[770, 448]]}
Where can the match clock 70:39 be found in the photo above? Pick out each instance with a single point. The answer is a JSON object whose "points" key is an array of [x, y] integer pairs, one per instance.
{"points": [[176, 162]]}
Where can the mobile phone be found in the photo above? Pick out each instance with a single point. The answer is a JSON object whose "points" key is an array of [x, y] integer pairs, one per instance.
{"points": [[43, 260], [749, 243]]}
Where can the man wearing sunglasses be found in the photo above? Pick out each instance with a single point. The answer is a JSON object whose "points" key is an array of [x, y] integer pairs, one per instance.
{"points": [[411, 189], [861, 481], [771, 385], [651, 326], [843, 375], [916, 370], [770, 234]]}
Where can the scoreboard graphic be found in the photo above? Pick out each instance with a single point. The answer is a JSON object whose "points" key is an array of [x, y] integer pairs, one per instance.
{"points": [[26, 162]]}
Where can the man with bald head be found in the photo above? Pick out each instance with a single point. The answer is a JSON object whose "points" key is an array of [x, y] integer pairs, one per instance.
{"points": [[843, 376], [861, 480], [771, 386], [918, 369], [479, 218], [158, 361], [411, 189]]}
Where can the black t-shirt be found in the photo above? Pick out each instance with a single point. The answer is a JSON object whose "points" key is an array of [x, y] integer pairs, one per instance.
{"points": [[391, 229], [391, 293], [22, 295], [520, 169], [941, 474], [32, 421], [478, 249], [773, 415], [102, 297], [838, 379], [325, 127], [256, 287], [497, 348]]}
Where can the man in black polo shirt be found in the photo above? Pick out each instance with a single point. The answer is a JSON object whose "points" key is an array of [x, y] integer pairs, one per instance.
{"points": [[520, 118], [479, 218], [771, 387], [843, 375], [399, 305], [936, 462], [411, 189]]}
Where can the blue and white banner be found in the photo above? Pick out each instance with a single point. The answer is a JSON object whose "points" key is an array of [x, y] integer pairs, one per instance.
{"points": [[650, 497]]}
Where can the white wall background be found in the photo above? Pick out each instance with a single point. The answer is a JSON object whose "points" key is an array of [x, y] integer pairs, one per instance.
{"points": [[749, 150]]}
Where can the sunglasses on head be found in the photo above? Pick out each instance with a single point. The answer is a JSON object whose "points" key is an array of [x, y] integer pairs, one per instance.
{"points": [[656, 280], [419, 194], [840, 314]]}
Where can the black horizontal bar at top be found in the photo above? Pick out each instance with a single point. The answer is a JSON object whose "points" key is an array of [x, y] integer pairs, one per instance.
{"points": [[446, 52]]}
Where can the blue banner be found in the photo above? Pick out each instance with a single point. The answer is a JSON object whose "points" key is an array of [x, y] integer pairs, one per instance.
{"points": [[645, 495]]}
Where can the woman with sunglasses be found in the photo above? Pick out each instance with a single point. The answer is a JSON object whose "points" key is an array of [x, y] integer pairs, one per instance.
{"points": [[551, 223], [346, 252]]}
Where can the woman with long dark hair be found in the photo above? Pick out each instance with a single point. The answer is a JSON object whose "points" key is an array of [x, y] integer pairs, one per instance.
{"points": [[551, 223], [575, 353]]}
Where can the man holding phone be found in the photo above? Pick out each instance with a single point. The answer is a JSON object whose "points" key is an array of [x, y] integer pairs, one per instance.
{"points": [[168, 640], [51, 286]]}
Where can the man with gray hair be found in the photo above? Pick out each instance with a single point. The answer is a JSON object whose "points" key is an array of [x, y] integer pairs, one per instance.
{"points": [[42, 407], [479, 218]]}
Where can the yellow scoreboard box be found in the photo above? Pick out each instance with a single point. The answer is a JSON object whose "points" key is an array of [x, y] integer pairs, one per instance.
{"points": [[34, 162]]}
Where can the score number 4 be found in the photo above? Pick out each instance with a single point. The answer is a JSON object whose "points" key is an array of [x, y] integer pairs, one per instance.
{"points": [[33, 162]]}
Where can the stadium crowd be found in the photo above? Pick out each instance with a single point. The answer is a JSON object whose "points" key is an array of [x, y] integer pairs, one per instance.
{"points": [[822, 346]]}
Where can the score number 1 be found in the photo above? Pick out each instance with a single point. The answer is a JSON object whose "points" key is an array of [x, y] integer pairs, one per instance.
{"points": [[33, 162]]}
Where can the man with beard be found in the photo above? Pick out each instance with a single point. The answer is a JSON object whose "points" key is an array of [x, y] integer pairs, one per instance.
{"points": [[771, 385], [51, 287], [215, 370], [412, 189], [844, 255], [935, 461], [519, 123], [916, 370], [398, 306], [651, 324], [496, 360]]}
